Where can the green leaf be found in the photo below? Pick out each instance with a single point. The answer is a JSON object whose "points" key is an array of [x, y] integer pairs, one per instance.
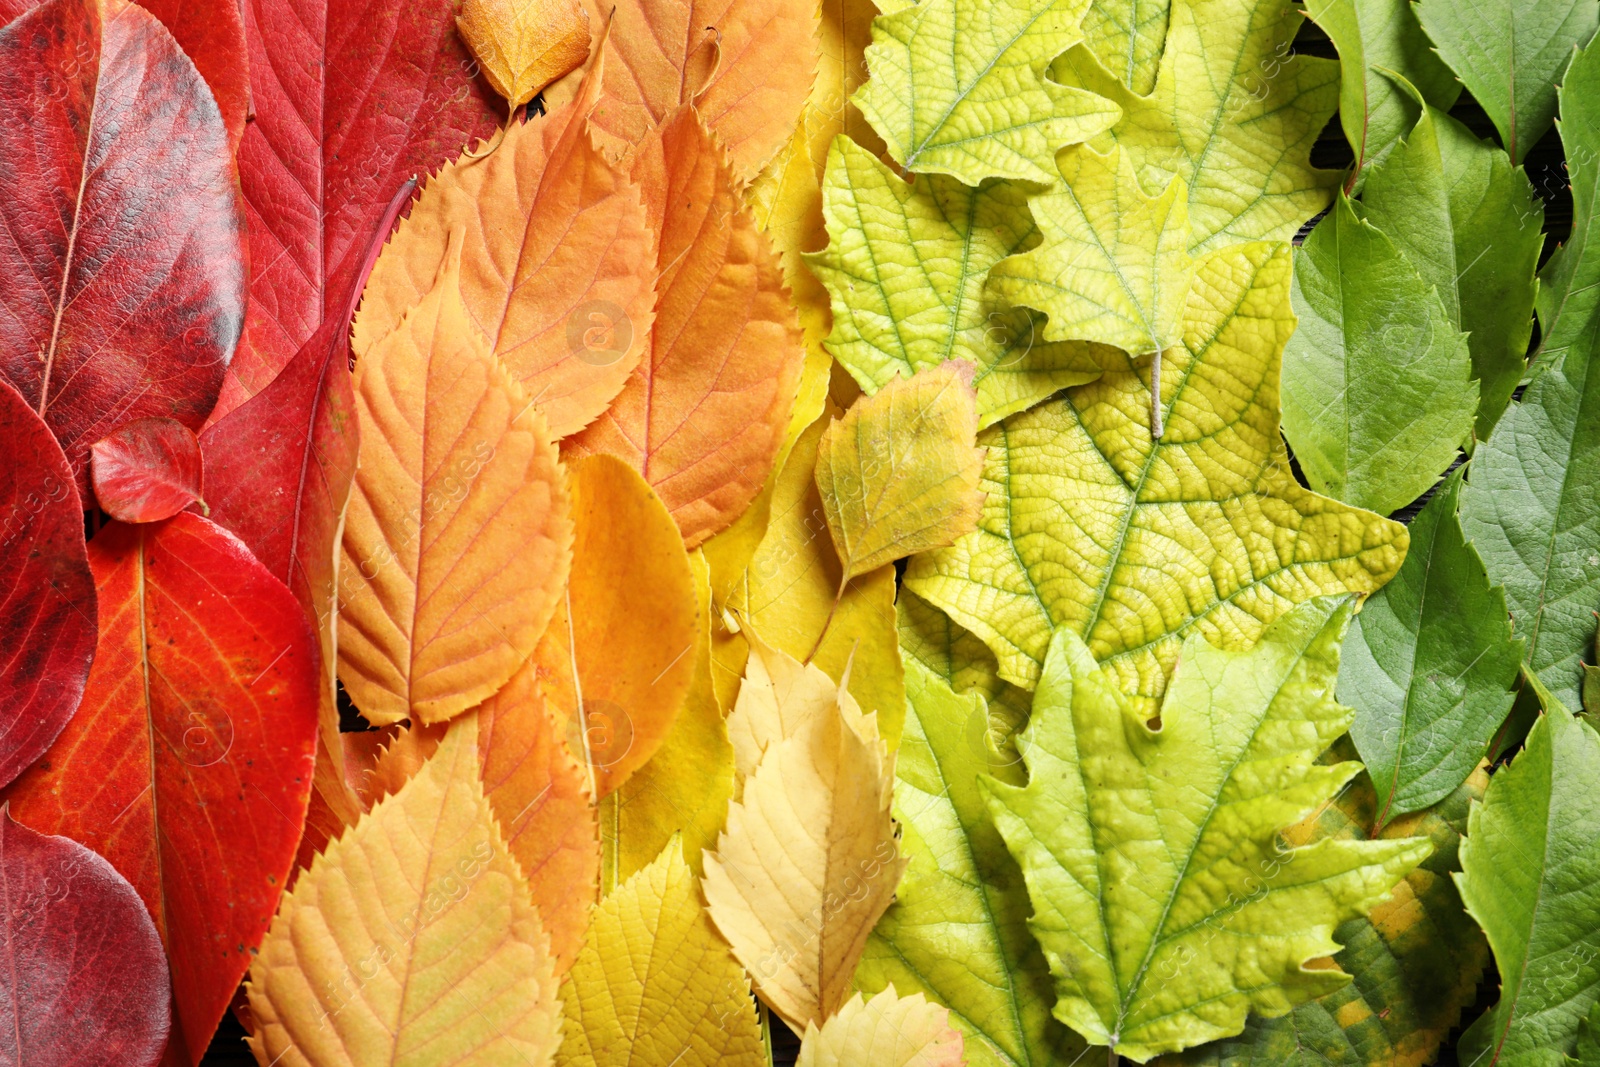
{"points": [[1466, 219], [958, 928], [904, 269], [1530, 875], [1234, 114], [1375, 36], [1377, 389], [1114, 266], [1429, 666], [1510, 54], [1126, 36], [1163, 899], [1415, 960], [1569, 289], [1135, 544], [960, 88]]}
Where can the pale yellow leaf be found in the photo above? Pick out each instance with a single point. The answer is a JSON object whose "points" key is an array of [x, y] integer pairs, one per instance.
{"points": [[886, 1031]]}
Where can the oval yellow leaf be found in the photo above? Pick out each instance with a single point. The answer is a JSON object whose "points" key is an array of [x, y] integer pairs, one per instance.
{"points": [[886, 1031]]}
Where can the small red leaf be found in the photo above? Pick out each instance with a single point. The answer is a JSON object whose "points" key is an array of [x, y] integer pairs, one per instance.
{"points": [[47, 602], [189, 764], [148, 470], [83, 979]]}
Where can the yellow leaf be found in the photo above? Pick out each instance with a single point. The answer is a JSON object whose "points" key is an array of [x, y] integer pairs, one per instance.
{"points": [[886, 1031], [655, 985], [899, 473], [524, 45], [807, 864], [411, 934], [457, 538], [778, 697], [618, 657]]}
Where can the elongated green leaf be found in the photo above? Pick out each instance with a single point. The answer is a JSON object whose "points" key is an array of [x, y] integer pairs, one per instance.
{"points": [[960, 88], [1135, 544], [1466, 219], [904, 269], [1429, 666], [1162, 897], [1530, 875], [1377, 389], [1126, 36], [1510, 54], [1569, 285]]}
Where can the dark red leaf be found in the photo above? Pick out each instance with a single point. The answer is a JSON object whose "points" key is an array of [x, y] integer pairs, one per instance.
{"points": [[47, 603], [189, 763], [120, 223], [352, 97], [83, 980], [147, 471]]}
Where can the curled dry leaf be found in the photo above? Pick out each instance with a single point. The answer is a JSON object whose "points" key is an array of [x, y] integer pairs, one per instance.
{"points": [[189, 763], [524, 45], [121, 205], [84, 980], [457, 537], [47, 597], [147, 470], [886, 1031], [422, 886]]}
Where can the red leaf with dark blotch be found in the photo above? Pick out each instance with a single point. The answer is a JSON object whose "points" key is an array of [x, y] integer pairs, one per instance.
{"points": [[188, 765], [211, 34], [83, 981], [352, 97], [120, 224], [47, 603], [147, 471]]}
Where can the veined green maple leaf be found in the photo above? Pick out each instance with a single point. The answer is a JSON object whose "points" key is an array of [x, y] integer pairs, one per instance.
{"points": [[1163, 899], [904, 269], [1414, 960], [960, 89], [1569, 289], [1530, 875], [1126, 36], [1134, 544], [1234, 114]]}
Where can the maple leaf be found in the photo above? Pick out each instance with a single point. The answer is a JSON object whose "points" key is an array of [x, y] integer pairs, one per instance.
{"points": [[457, 537], [1162, 897], [656, 984], [615, 662], [1530, 875], [189, 762], [422, 885], [147, 470], [886, 1031], [1127, 37], [524, 45], [121, 205], [85, 976], [963, 91], [904, 269], [1134, 543]]}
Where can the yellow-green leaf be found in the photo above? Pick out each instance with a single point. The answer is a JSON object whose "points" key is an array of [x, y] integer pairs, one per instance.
{"points": [[1134, 544], [1127, 36], [886, 1031]]}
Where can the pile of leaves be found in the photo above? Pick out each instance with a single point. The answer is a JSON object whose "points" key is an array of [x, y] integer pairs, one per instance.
{"points": [[558, 533]]}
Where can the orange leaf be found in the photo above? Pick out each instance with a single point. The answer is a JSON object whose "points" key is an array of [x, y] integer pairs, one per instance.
{"points": [[557, 269], [524, 45], [703, 415], [617, 660], [457, 536]]}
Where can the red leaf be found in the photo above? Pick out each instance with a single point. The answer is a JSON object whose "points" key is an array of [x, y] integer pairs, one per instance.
{"points": [[189, 764], [120, 227], [147, 470], [352, 97], [82, 976], [47, 604]]}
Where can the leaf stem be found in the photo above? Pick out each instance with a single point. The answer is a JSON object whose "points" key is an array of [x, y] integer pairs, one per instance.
{"points": [[1155, 396], [838, 595]]}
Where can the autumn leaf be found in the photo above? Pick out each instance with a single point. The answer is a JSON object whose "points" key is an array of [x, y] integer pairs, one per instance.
{"points": [[47, 593], [1135, 544], [617, 658], [656, 984], [414, 926], [85, 978], [121, 204], [886, 1031], [779, 697], [1133, 869], [703, 415], [146, 470], [1127, 37], [524, 45], [457, 527], [189, 763]]}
